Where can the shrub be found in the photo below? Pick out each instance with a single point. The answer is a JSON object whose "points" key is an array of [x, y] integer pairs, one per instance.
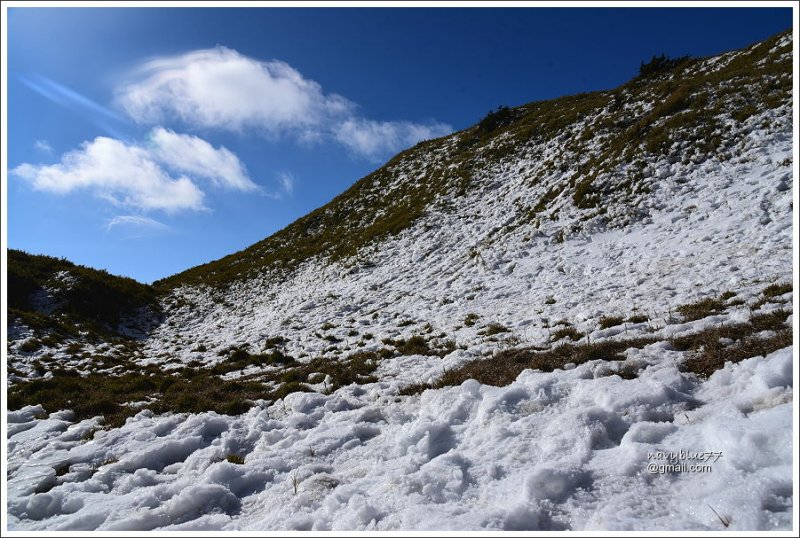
{"points": [[30, 345], [504, 366], [659, 64], [91, 296], [708, 354], [416, 345], [742, 113], [412, 389], [447, 347], [274, 341], [495, 119]]}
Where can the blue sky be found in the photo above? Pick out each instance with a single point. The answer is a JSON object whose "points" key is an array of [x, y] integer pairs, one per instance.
{"points": [[147, 141]]}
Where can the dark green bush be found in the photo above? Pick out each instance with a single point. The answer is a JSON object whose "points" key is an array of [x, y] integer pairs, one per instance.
{"points": [[660, 64]]}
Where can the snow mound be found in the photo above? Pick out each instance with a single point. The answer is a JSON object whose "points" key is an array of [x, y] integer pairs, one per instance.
{"points": [[562, 450]]}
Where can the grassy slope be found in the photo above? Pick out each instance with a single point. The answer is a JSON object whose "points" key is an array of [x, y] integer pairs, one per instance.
{"points": [[77, 294], [674, 110]]}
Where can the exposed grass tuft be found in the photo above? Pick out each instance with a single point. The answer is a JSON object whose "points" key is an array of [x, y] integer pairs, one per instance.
{"points": [[711, 355], [776, 290], [470, 320], [567, 332], [701, 309], [610, 321], [493, 329]]}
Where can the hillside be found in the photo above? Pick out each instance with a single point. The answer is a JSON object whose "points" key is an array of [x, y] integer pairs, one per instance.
{"points": [[55, 304], [501, 329], [586, 161]]}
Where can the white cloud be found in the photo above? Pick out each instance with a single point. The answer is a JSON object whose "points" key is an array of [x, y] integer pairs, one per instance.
{"points": [[43, 146], [193, 155], [125, 175], [220, 88], [137, 226], [287, 183], [374, 138], [133, 175], [223, 89]]}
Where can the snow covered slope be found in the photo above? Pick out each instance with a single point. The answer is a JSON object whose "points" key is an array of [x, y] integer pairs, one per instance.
{"points": [[520, 326]]}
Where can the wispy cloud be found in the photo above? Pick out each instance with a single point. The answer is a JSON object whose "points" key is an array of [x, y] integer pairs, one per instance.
{"points": [[220, 88], [43, 146], [139, 176], [285, 186], [102, 116], [137, 226], [375, 138], [286, 181]]}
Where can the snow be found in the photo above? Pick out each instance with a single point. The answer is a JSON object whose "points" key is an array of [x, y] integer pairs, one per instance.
{"points": [[579, 448], [561, 450], [704, 235]]}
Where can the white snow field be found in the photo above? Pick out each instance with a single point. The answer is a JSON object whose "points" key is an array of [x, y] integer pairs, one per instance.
{"points": [[586, 447], [560, 450]]}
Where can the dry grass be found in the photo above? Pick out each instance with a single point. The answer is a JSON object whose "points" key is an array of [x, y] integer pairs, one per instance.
{"points": [[776, 290], [611, 321], [504, 366], [235, 458], [188, 390], [701, 309], [708, 351], [567, 332], [493, 329]]}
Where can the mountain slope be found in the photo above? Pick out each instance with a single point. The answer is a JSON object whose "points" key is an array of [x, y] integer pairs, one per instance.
{"points": [[560, 216], [54, 304], [502, 329], [587, 152]]}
